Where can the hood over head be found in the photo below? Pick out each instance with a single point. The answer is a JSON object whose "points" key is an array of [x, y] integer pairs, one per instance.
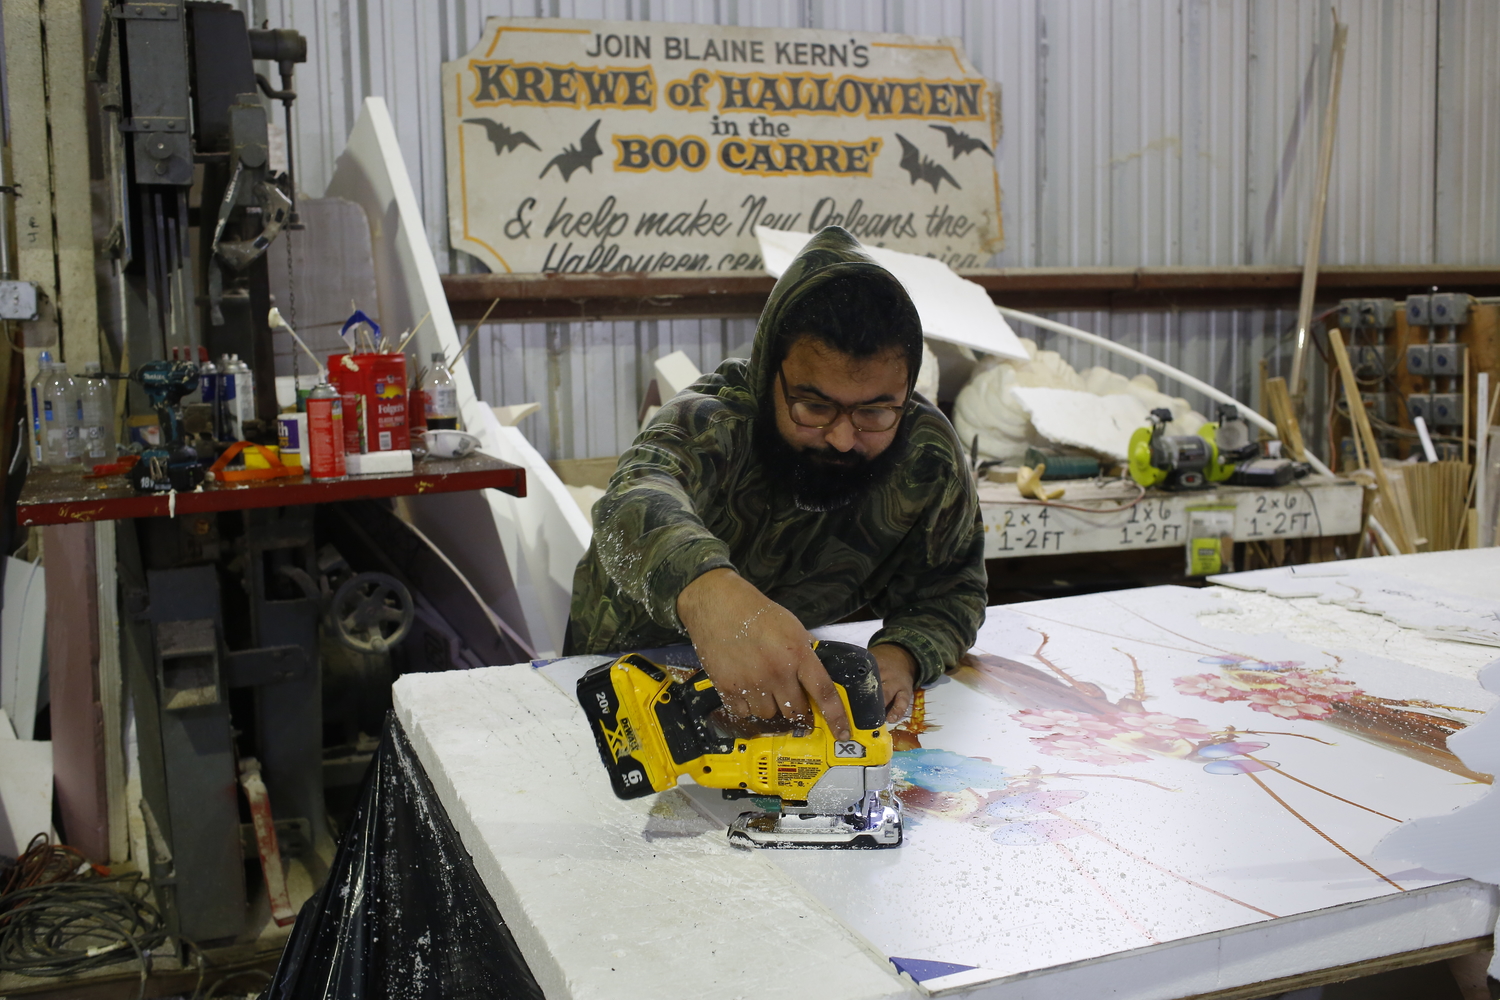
{"points": [[831, 254]]}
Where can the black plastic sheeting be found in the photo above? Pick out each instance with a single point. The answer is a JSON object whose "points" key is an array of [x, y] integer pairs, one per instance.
{"points": [[403, 913]]}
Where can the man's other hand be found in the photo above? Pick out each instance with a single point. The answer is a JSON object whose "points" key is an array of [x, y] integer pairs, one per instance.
{"points": [[898, 679], [757, 653]]}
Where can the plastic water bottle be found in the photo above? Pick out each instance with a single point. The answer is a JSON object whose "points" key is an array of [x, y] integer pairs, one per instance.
{"points": [[60, 416], [96, 419], [38, 431], [442, 396]]}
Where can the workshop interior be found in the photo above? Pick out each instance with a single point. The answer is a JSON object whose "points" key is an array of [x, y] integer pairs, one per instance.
{"points": [[362, 355]]}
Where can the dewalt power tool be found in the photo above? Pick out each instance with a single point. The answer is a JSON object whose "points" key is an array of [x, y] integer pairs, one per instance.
{"points": [[809, 789]]}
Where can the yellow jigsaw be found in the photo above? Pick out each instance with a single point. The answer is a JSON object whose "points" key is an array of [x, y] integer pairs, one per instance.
{"points": [[810, 789]]}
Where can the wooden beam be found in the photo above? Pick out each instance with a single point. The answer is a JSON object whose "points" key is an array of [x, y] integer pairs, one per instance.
{"points": [[1391, 506], [78, 753], [536, 297]]}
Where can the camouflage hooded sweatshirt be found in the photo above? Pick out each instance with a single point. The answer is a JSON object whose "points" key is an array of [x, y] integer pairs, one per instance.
{"points": [[693, 494]]}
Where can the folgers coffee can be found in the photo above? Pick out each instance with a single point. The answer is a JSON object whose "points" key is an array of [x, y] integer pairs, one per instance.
{"points": [[325, 432], [373, 387]]}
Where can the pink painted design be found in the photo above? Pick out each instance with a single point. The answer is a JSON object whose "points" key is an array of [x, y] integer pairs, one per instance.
{"points": [[1289, 703]]}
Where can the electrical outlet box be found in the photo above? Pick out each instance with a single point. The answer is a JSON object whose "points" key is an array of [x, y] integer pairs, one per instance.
{"points": [[1377, 314], [1418, 405], [1419, 360], [18, 300], [1447, 410], [1447, 360], [1349, 314], [1419, 310], [1377, 405], [1369, 314], [1370, 360], [1450, 308]]}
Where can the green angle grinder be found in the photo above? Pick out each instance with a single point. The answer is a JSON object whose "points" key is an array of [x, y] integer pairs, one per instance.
{"points": [[1190, 461]]}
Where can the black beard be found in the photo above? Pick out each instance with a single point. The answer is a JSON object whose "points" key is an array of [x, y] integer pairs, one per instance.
{"points": [[822, 479]]}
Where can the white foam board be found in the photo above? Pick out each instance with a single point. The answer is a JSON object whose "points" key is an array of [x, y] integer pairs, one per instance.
{"points": [[542, 536], [597, 909], [23, 622], [1100, 424], [1031, 869], [25, 793], [952, 308]]}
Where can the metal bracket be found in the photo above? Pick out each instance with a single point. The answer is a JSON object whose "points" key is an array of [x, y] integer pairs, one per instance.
{"points": [[146, 12], [145, 123], [188, 663]]}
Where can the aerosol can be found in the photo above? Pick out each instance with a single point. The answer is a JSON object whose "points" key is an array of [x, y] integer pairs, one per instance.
{"points": [[325, 432], [208, 387], [244, 396]]}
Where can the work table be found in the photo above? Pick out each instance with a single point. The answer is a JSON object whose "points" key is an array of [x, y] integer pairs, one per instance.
{"points": [[1038, 863]]}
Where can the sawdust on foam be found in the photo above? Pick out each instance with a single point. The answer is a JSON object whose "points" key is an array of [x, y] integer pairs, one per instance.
{"points": [[1335, 626]]}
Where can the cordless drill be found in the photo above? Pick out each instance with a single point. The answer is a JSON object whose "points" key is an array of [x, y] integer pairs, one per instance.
{"points": [[172, 464]]}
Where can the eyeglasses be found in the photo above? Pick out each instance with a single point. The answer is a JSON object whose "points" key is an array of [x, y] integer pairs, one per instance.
{"points": [[872, 418]]}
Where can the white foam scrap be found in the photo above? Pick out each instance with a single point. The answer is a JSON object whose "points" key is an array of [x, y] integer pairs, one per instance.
{"points": [[952, 308]]}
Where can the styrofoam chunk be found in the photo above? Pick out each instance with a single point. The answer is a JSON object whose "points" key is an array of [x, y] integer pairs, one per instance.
{"points": [[676, 372]]}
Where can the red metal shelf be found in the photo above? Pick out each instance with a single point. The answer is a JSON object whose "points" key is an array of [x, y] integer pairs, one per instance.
{"points": [[68, 498]]}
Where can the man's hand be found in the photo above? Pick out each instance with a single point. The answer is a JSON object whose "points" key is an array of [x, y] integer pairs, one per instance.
{"points": [[757, 653], [898, 678]]}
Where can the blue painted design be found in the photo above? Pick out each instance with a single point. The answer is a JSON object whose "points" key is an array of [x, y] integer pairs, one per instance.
{"points": [[921, 969], [1216, 750], [1232, 766], [946, 771]]}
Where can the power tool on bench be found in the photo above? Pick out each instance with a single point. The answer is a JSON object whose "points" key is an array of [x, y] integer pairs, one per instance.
{"points": [[172, 464], [1190, 461], [810, 789]]}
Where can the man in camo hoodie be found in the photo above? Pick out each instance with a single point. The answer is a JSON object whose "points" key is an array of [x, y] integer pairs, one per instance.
{"points": [[787, 492]]}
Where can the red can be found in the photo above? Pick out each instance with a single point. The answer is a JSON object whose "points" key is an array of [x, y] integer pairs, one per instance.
{"points": [[325, 432], [374, 390], [416, 411]]}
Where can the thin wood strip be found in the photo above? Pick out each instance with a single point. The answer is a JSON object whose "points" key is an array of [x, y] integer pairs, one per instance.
{"points": [[1361, 421], [1285, 418]]}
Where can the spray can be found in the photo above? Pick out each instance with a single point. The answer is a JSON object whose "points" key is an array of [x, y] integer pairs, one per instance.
{"points": [[208, 387], [244, 396], [325, 432], [224, 401]]}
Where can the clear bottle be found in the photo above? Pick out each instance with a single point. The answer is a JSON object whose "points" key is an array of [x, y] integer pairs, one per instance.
{"points": [[96, 419], [38, 431], [60, 416], [442, 396]]}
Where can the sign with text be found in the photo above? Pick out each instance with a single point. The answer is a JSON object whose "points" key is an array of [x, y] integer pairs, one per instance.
{"points": [[582, 146]]}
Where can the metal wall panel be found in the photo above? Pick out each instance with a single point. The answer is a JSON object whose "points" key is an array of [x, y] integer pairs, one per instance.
{"points": [[1135, 132]]}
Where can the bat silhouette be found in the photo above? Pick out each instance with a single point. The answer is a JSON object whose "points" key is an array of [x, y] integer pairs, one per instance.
{"points": [[961, 142], [571, 158], [922, 168], [501, 137]]}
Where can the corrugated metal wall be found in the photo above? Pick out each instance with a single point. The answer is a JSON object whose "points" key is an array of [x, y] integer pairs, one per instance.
{"points": [[1136, 132]]}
